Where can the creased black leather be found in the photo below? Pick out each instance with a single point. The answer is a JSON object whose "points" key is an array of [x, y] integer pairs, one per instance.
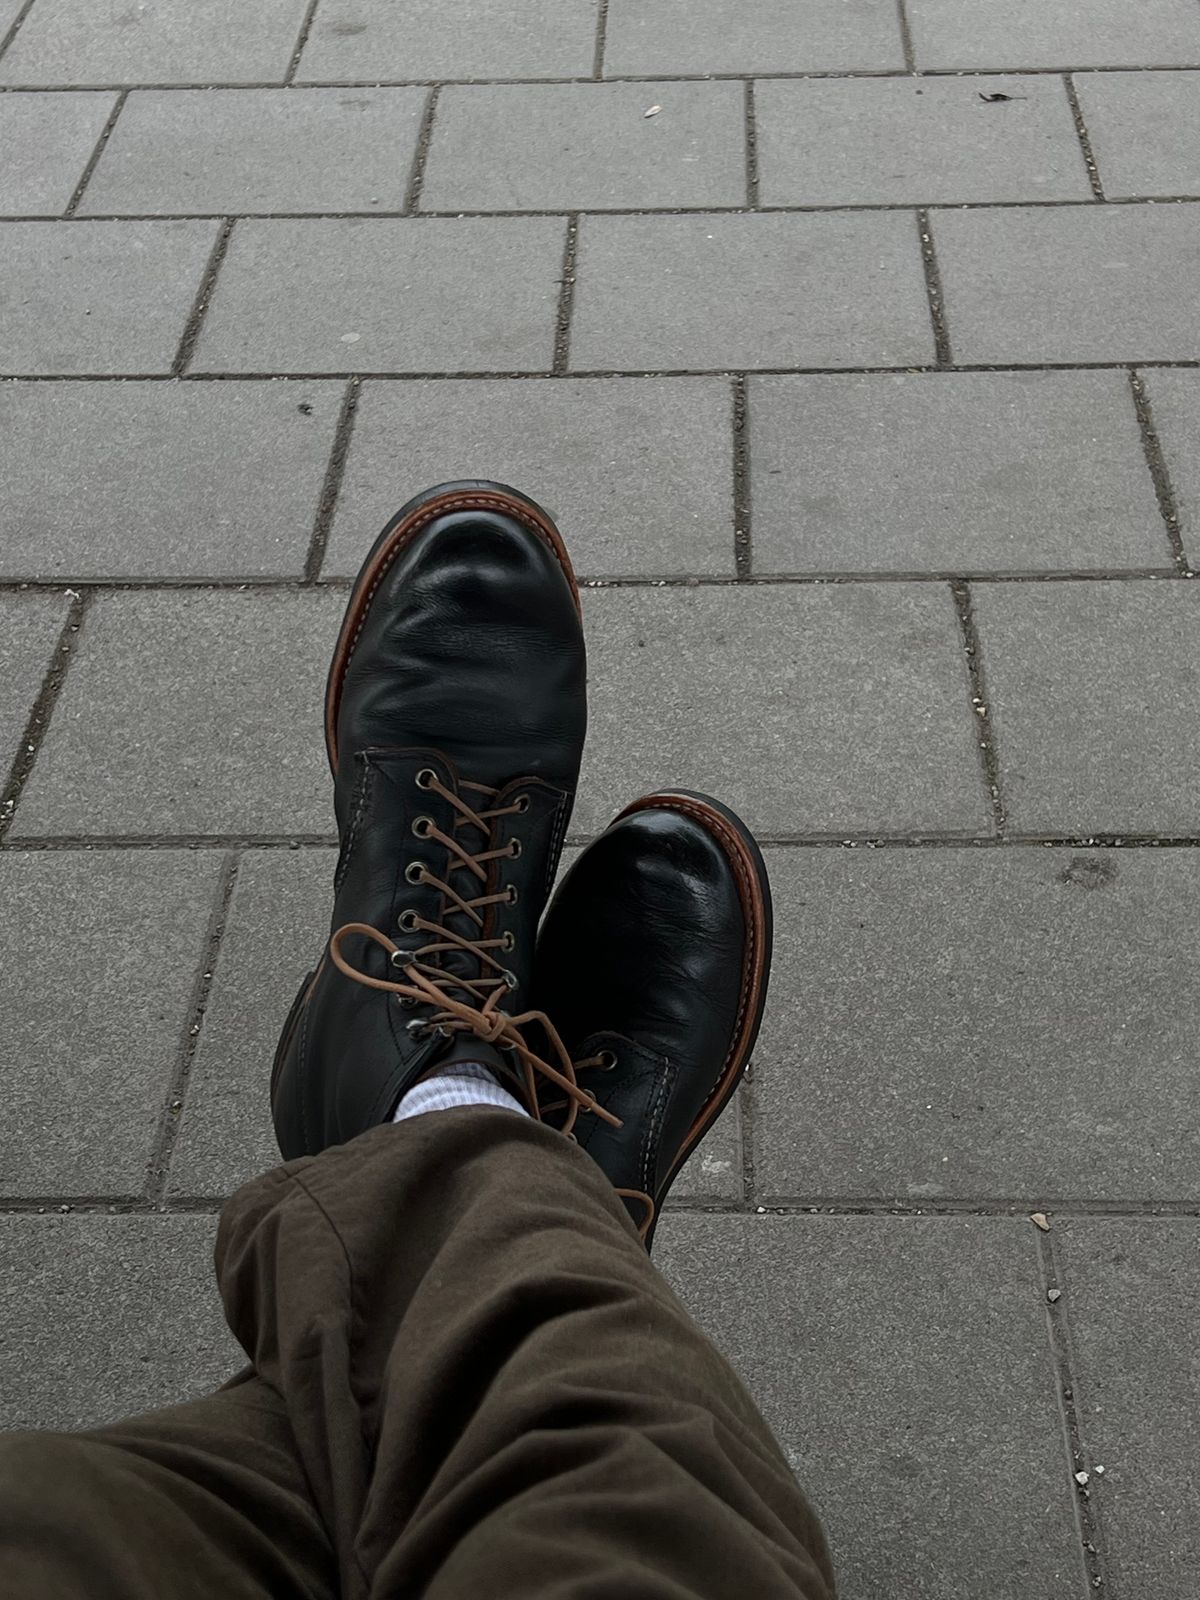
{"points": [[642, 955], [469, 663]]}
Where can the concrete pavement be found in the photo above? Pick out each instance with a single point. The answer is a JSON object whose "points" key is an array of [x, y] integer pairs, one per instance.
{"points": [[856, 346]]}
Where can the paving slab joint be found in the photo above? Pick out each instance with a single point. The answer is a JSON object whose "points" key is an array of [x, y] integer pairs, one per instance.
{"points": [[601, 38], [159, 1165], [195, 321], [981, 712], [310, 12], [743, 557], [566, 298], [97, 152], [1085, 143], [38, 722], [751, 120], [1164, 491], [1087, 1515], [331, 487], [933, 290], [15, 26], [416, 177], [747, 1114], [906, 41]]}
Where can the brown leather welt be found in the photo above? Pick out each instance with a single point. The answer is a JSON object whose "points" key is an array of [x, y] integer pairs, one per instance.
{"points": [[385, 557]]}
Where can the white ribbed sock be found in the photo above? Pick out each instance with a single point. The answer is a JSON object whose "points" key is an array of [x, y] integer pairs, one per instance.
{"points": [[466, 1083]]}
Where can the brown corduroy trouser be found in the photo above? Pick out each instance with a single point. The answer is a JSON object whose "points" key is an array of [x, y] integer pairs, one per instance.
{"points": [[467, 1381]]}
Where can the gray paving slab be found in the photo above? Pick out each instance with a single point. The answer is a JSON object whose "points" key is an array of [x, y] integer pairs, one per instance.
{"points": [[765, 290], [926, 141], [9, 12], [179, 480], [1094, 704], [1175, 398], [172, 41], [100, 954], [108, 1316], [1130, 1291], [98, 297], [826, 710], [638, 471], [1143, 130], [281, 902], [979, 1025], [587, 146], [190, 713], [29, 628], [247, 150], [47, 141], [714, 1171], [431, 39], [950, 472], [1071, 283], [903, 1364], [702, 36], [407, 295], [1054, 33]]}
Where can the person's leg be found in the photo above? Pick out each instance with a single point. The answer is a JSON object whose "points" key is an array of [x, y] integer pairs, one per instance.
{"points": [[455, 721], [470, 1379], [466, 1362], [492, 1390], [195, 1501]]}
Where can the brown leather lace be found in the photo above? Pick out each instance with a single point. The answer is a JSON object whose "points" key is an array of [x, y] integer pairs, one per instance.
{"points": [[425, 983], [495, 976]]}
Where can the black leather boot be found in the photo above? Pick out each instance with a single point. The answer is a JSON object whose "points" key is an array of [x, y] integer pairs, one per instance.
{"points": [[653, 962], [455, 719]]}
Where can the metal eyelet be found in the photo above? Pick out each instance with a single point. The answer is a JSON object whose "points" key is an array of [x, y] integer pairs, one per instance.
{"points": [[513, 894], [415, 872], [607, 1061], [422, 826], [514, 848], [426, 778], [408, 921], [510, 980], [522, 803], [509, 941], [406, 1001], [400, 958]]}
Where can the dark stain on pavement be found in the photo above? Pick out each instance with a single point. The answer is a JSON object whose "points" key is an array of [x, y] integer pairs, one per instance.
{"points": [[1089, 872]]}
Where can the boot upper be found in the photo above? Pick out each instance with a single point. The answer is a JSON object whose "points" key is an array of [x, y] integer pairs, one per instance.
{"points": [[459, 731]]}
